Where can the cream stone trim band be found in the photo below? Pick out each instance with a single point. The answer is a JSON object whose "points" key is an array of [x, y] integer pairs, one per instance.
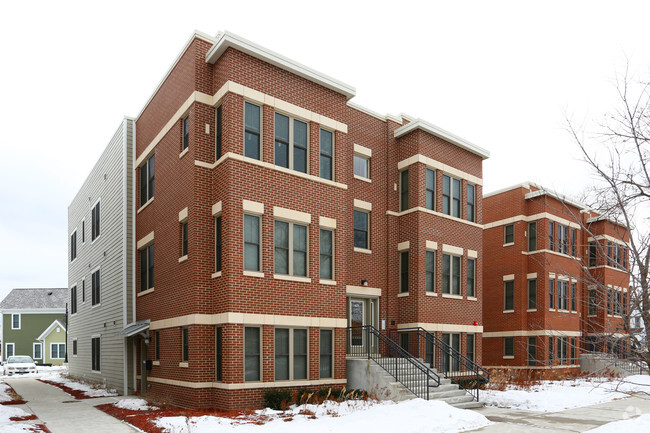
{"points": [[432, 212], [253, 207], [530, 218], [145, 241], [472, 254], [452, 249], [248, 319], [182, 215], [361, 150], [443, 327], [431, 245], [246, 385], [291, 215], [608, 238], [530, 253], [509, 277], [531, 275], [430, 162], [360, 204], [402, 246], [538, 333], [362, 291], [217, 208], [329, 223]]}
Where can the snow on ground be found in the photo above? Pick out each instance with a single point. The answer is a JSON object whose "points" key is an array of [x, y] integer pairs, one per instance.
{"points": [[4, 388], [552, 396], [8, 426], [58, 376], [134, 404], [639, 424], [416, 416]]}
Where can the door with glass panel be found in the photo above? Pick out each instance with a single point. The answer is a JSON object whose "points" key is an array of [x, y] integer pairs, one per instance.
{"points": [[361, 312]]}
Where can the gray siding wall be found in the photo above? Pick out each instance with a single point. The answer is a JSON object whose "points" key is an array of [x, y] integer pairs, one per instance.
{"points": [[110, 182]]}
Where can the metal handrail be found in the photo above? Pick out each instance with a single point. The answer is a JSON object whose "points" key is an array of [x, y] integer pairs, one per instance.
{"points": [[449, 362], [396, 361]]}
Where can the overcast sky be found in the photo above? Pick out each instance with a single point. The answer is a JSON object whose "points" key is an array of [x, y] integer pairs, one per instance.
{"points": [[499, 74]]}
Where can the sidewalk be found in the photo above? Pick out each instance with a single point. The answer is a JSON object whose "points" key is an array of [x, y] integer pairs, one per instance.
{"points": [[61, 413], [572, 420]]}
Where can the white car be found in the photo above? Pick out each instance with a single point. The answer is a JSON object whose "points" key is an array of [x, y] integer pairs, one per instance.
{"points": [[19, 365]]}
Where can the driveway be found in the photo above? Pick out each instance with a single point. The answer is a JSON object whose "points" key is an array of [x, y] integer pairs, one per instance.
{"points": [[61, 413]]}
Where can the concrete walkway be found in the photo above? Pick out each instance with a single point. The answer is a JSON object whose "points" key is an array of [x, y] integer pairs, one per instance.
{"points": [[61, 413], [572, 420]]}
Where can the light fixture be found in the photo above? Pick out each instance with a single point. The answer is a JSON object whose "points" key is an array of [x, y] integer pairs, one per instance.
{"points": [[364, 282]]}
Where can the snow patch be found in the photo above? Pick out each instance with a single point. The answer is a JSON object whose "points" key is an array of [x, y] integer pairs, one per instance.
{"points": [[134, 404]]}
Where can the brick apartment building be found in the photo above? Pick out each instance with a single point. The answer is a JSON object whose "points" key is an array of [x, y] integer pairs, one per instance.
{"points": [[553, 279]]}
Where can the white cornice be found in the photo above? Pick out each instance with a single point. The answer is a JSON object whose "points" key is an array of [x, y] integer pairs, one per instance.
{"points": [[227, 40], [445, 135], [560, 197], [525, 185]]}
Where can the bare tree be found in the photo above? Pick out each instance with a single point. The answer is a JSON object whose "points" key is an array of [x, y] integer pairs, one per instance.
{"points": [[618, 155]]}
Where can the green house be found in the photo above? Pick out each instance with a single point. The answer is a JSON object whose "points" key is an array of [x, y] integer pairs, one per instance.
{"points": [[33, 323]]}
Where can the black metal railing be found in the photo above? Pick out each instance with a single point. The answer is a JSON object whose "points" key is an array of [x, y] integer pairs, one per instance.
{"points": [[446, 360], [368, 342]]}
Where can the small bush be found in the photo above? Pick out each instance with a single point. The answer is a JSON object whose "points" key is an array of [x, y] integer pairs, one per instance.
{"points": [[277, 399]]}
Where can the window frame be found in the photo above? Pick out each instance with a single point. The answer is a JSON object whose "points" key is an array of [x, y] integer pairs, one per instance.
{"points": [[531, 354], [218, 140], [218, 244], [551, 294], [184, 238], [185, 344], [73, 246], [258, 244], [258, 354], [95, 353], [291, 354], [218, 353], [532, 236], [325, 155], [329, 254], [471, 202], [58, 350], [40, 349], [508, 347], [321, 355], [147, 180], [6, 352], [357, 157], [73, 300], [508, 238], [95, 287], [156, 351], [532, 294], [453, 197], [471, 277], [454, 274], [75, 345], [593, 254], [20, 321], [291, 144], [471, 354], [404, 271], [509, 295], [430, 272], [551, 235], [185, 132], [366, 245], [248, 131], [404, 190], [290, 248], [147, 267], [95, 221], [430, 203]]}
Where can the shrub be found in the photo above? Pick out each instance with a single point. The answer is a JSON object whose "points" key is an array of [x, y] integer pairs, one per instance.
{"points": [[277, 399]]}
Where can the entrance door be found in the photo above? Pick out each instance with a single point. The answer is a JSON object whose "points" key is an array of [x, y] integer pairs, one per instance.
{"points": [[361, 312], [144, 388]]}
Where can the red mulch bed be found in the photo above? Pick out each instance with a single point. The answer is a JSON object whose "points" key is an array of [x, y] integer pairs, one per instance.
{"points": [[15, 398], [23, 418], [40, 428], [79, 395]]}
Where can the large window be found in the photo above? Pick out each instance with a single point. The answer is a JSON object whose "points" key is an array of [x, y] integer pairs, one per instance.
{"points": [[326, 254], [147, 180], [184, 238], [57, 350], [449, 361], [532, 236], [185, 350], [146, 268], [404, 190], [73, 300], [290, 249], [326, 154], [15, 321], [95, 287], [431, 272], [186, 132], [361, 166], [95, 353], [471, 277], [219, 134], [551, 293], [574, 240], [431, 189], [593, 249], [252, 243], [593, 302], [451, 196], [471, 202], [562, 239], [532, 294], [290, 143], [95, 222], [73, 246], [404, 272], [361, 229], [252, 354], [290, 354], [509, 234], [218, 244], [450, 274], [563, 294], [509, 346], [326, 356], [509, 295], [551, 235], [252, 130], [470, 351], [532, 351]]}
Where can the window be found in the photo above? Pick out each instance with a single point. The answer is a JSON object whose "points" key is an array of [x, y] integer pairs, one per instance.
{"points": [[562, 349], [83, 290], [532, 351], [471, 278], [73, 246], [290, 354], [551, 240], [147, 180], [326, 254], [471, 202], [450, 362], [219, 354], [592, 254], [404, 190], [431, 189], [563, 294], [509, 234], [470, 347], [290, 249], [156, 353], [252, 243], [95, 288], [431, 272], [326, 154], [57, 350], [532, 236], [404, 272], [186, 344], [290, 143], [361, 229], [252, 130], [551, 293], [73, 300], [9, 350], [326, 353], [186, 132], [74, 347], [146, 268], [509, 346], [183, 239], [562, 239], [573, 297], [450, 274], [532, 294], [252, 342], [15, 321], [37, 351], [95, 222], [509, 295], [450, 196], [95, 354], [551, 351], [574, 237], [218, 244], [219, 138], [361, 166]]}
